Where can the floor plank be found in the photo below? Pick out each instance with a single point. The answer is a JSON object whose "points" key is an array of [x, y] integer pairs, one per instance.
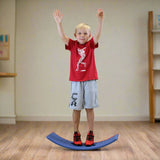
{"points": [[27, 141]]}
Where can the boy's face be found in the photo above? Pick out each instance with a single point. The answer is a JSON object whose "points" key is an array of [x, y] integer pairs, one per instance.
{"points": [[82, 35]]}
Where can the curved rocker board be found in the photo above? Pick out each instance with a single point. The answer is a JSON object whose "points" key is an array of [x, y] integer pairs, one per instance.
{"points": [[53, 137]]}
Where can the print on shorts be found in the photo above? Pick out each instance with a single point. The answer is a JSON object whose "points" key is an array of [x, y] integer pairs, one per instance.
{"points": [[74, 98]]}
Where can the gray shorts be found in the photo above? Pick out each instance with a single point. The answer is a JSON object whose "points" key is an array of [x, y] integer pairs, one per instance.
{"points": [[83, 95]]}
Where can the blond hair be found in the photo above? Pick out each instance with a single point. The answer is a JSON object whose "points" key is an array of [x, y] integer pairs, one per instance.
{"points": [[83, 25]]}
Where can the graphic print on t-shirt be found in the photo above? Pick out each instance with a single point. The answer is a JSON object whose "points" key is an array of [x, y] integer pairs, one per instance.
{"points": [[81, 66]]}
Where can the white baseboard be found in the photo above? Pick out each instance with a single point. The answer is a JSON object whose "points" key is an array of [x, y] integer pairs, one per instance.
{"points": [[157, 116], [44, 118], [8, 119], [83, 118], [122, 118]]}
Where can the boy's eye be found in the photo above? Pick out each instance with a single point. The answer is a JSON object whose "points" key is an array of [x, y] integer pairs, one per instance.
{"points": [[79, 33]]}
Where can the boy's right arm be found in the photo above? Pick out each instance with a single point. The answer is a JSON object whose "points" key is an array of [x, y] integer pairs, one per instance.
{"points": [[58, 18]]}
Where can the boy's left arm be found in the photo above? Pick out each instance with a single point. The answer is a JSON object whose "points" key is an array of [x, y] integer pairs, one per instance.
{"points": [[100, 15]]}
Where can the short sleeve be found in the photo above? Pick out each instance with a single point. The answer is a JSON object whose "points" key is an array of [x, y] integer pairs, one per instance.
{"points": [[70, 44], [92, 45]]}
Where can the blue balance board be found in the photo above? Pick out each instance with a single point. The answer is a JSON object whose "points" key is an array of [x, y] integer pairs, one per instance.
{"points": [[53, 137]]}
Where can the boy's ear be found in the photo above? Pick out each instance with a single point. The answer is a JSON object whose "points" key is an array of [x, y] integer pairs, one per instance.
{"points": [[75, 35]]}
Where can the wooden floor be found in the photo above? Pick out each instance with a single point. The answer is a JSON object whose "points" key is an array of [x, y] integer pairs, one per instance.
{"points": [[27, 141]]}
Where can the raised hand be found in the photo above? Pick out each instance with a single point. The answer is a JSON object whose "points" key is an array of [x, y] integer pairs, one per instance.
{"points": [[58, 16], [100, 14]]}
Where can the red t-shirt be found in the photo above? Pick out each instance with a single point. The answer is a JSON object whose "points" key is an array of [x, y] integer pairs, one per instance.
{"points": [[82, 60]]}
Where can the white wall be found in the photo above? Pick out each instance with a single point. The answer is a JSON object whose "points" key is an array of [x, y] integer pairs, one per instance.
{"points": [[42, 64], [7, 87]]}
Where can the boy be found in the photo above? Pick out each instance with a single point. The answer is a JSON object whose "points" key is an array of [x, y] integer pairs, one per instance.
{"points": [[83, 73]]}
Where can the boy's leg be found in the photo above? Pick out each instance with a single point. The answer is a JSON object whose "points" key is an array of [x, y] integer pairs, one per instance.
{"points": [[90, 135], [76, 104], [76, 119], [90, 103], [90, 118]]}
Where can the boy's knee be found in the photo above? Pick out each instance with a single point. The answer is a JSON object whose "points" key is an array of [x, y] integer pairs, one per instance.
{"points": [[89, 110]]}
